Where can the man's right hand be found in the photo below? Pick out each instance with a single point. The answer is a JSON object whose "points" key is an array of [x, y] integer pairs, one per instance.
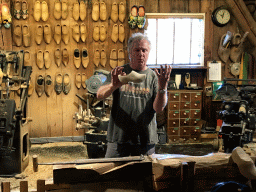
{"points": [[114, 76]]}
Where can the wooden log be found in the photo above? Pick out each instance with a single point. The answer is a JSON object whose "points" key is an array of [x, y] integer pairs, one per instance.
{"points": [[23, 186], [241, 21], [35, 163], [5, 187], [40, 185]]}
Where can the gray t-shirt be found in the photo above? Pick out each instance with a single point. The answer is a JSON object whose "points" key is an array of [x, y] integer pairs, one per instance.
{"points": [[133, 118]]}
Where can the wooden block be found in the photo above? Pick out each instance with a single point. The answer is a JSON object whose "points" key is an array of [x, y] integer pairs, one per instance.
{"points": [[23, 186], [55, 187], [209, 136], [35, 163], [5, 187], [40, 185]]}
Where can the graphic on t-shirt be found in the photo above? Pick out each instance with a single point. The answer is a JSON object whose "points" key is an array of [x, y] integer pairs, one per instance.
{"points": [[134, 89]]}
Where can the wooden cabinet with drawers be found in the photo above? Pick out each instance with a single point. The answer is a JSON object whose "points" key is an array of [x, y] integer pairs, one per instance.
{"points": [[184, 115]]}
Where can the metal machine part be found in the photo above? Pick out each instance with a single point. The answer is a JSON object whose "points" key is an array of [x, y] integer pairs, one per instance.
{"points": [[235, 68], [93, 118], [238, 114], [14, 136]]}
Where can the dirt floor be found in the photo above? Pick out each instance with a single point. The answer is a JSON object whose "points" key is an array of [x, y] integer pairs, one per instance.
{"points": [[50, 152]]}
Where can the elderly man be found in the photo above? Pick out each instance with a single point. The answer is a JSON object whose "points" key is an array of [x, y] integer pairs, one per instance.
{"points": [[132, 128]]}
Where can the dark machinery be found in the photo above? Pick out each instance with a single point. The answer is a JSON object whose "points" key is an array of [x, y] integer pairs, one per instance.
{"points": [[238, 114], [14, 136], [94, 119]]}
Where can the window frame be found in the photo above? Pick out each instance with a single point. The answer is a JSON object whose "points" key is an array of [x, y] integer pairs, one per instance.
{"points": [[181, 15]]}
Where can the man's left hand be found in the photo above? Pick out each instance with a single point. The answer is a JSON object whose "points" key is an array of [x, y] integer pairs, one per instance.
{"points": [[163, 76]]}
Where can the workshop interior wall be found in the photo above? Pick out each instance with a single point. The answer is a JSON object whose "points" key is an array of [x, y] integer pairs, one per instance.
{"points": [[53, 116]]}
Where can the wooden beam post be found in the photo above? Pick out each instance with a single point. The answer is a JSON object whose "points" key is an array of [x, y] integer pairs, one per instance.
{"points": [[40, 185], [5, 187], [35, 163], [184, 177]]}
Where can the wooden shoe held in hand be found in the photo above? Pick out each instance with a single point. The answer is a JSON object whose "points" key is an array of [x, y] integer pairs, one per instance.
{"points": [[132, 77]]}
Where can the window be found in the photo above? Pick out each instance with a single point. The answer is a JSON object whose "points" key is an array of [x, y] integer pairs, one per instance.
{"points": [[176, 39]]}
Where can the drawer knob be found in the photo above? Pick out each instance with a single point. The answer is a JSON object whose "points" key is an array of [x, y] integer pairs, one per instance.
{"points": [[174, 97], [185, 96], [174, 139], [185, 122], [194, 139], [195, 113], [173, 123], [185, 113], [173, 131], [195, 122], [196, 96], [185, 105], [196, 105], [185, 131], [174, 115], [174, 105]]}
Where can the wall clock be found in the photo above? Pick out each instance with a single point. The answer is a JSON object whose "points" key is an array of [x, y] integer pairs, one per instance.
{"points": [[220, 16]]}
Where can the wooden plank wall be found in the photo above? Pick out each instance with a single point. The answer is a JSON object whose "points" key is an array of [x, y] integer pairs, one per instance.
{"points": [[53, 116]]}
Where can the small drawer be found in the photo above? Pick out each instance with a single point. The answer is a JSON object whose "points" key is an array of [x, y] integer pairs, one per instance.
{"points": [[174, 105], [195, 122], [174, 97], [184, 105], [195, 113], [173, 123], [184, 113], [195, 131], [195, 138], [185, 122], [196, 105], [184, 139], [185, 131], [196, 96], [174, 114], [185, 96], [173, 131], [173, 139]]}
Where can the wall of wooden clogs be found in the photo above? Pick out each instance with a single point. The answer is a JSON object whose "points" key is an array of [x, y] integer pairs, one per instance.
{"points": [[74, 31]]}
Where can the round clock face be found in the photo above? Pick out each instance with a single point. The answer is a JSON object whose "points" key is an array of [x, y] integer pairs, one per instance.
{"points": [[220, 17], [223, 16]]}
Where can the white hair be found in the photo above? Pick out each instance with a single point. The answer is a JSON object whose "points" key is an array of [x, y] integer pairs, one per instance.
{"points": [[137, 37]]}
